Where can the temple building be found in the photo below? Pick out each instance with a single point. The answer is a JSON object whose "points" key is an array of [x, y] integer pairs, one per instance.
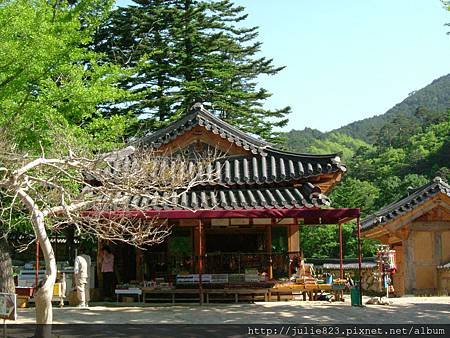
{"points": [[417, 227], [249, 217]]}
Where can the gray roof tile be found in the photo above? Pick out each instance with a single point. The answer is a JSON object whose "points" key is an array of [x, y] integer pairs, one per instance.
{"points": [[396, 209], [264, 178], [227, 199]]}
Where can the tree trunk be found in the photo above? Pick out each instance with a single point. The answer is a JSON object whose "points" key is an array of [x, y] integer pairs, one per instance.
{"points": [[6, 270], [43, 298], [43, 295]]}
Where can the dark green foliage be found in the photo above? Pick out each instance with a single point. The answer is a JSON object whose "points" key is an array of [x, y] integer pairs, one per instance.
{"points": [[183, 52], [315, 142], [302, 140], [354, 193], [433, 98], [323, 242], [320, 242]]}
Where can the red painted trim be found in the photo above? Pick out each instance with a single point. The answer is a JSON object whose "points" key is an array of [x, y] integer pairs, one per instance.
{"points": [[310, 216]]}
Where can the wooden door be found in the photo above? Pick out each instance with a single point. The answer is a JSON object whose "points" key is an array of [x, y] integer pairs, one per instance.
{"points": [[424, 260], [399, 276]]}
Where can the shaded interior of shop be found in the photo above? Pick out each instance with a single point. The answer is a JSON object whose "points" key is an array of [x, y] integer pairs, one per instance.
{"points": [[226, 251]]}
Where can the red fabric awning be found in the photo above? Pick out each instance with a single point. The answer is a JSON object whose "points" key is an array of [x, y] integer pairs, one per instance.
{"points": [[309, 216]]}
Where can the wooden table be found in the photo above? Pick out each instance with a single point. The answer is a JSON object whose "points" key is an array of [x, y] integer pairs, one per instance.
{"points": [[188, 294], [173, 295], [279, 292], [237, 292], [133, 291], [310, 291]]}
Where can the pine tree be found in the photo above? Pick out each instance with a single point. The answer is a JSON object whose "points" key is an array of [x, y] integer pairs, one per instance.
{"points": [[187, 51]]}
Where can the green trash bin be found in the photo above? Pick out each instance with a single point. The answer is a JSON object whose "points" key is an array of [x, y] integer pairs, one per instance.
{"points": [[355, 296]]}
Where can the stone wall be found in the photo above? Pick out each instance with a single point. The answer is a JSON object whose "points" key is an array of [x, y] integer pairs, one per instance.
{"points": [[370, 281], [444, 281]]}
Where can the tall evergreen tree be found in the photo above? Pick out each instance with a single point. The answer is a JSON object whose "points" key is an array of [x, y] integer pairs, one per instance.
{"points": [[187, 51]]}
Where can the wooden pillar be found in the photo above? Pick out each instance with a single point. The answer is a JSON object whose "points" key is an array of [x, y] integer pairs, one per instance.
{"points": [[201, 232], [358, 223], [410, 269], [199, 246], [99, 263], [293, 242], [139, 265], [269, 250], [399, 276], [293, 239], [341, 253], [196, 236], [437, 256]]}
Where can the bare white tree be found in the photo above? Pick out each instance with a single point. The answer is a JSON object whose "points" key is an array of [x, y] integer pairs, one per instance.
{"points": [[85, 192]]}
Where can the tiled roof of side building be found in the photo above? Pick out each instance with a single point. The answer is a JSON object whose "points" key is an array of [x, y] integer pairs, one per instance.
{"points": [[396, 209]]}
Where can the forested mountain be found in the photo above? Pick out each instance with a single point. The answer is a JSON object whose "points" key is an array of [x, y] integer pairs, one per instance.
{"points": [[425, 106], [408, 146], [435, 98]]}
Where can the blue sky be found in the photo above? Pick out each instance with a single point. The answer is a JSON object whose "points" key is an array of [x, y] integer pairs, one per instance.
{"points": [[349, 59]]}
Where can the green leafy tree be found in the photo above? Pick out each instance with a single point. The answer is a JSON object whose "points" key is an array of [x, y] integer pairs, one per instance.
{"points": [[185, 51], [353, 193], [51, 85], [320, 241], [323, 242]]}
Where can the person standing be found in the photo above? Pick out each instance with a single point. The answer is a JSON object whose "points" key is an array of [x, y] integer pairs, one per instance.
{"points": [[81, 272], [108, 272]]}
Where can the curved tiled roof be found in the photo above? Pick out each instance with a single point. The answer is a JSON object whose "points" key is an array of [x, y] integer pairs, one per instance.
{"points": [[396, 209], [270, 169], [201, 117], [250, 170], [306, 196], [265, 164], [265, 178]]}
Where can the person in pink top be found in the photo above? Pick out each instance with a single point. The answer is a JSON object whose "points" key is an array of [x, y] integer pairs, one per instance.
{"points": [[108, 272]]}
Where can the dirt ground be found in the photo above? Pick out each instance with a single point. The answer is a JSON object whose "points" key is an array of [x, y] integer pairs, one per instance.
{"points": [[414, 310]]}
